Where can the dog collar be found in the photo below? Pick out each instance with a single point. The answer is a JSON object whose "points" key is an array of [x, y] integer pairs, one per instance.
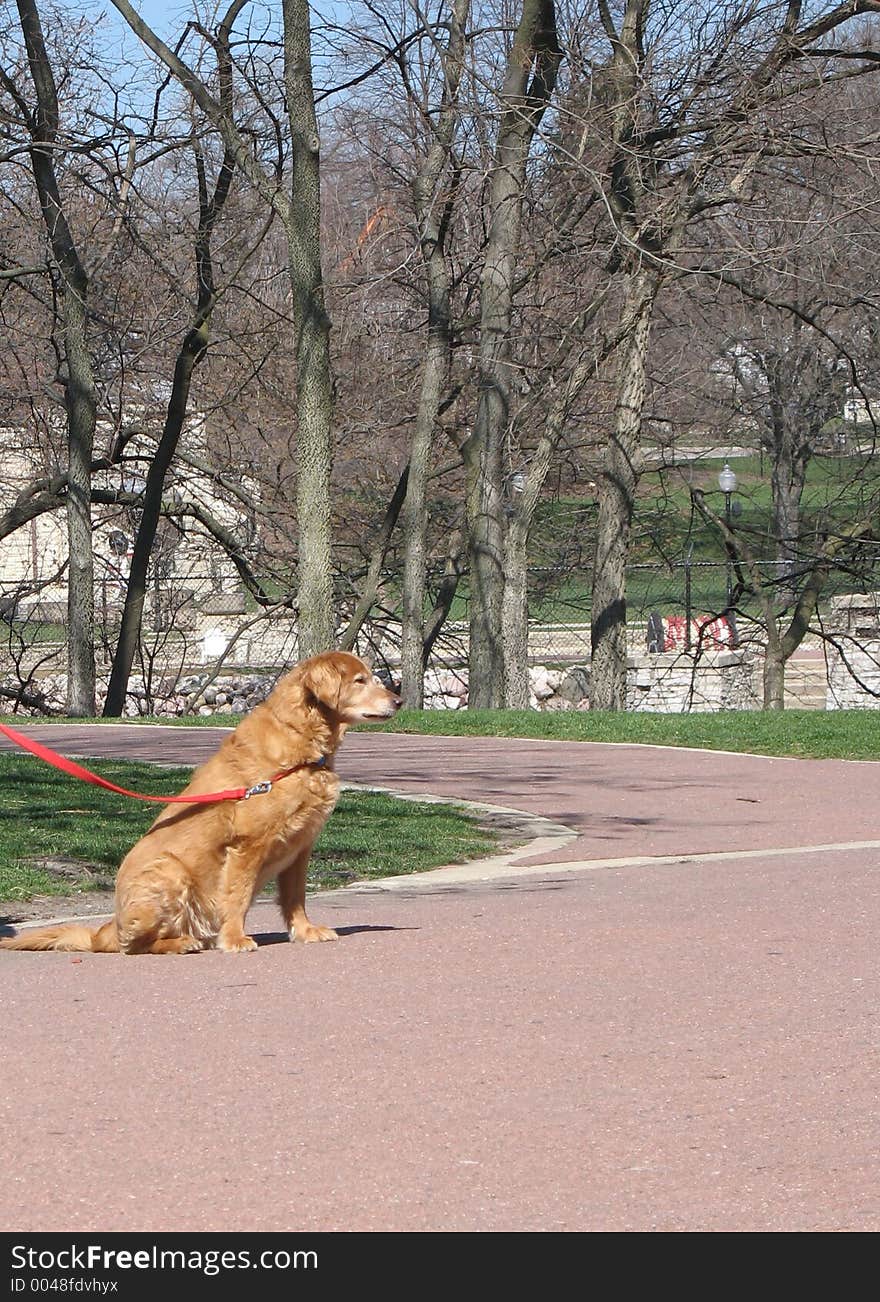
{"points": [[263, 788]]}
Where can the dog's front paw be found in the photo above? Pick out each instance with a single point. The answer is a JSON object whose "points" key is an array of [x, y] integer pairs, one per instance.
{"points": [[310, 932], [236, 944]]}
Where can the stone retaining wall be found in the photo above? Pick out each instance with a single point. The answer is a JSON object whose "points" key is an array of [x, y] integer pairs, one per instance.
{"points": [[667, 683], [676, 683], [854, 676]]}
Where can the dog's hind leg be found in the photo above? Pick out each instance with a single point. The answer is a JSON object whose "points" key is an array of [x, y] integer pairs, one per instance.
{"points": [[155, 911], [105, 939], [146, 940], [143, 928], [174, 945]]}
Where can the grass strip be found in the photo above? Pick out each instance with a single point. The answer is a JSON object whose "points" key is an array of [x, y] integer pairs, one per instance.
{"points": [[59, 835]]}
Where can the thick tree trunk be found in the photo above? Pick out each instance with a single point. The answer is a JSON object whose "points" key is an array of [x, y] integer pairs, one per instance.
{"points": [[781, 647], [314, 398], [617, 484], [432, 217], [521, 510], [535, 47], [485, 514], [774, 679], [79, 385]]}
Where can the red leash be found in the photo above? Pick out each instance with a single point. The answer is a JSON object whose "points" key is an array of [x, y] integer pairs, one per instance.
{"points": [[86, 775]]}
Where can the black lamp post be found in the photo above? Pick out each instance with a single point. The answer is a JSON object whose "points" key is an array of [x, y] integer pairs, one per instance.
{"points": [[727, 484]]}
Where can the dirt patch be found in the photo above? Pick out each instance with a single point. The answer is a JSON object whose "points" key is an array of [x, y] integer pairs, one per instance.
{"points": [[89, 893], [92, 904]]}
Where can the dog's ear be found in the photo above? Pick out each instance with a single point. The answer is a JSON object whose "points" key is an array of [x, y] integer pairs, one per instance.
{"points": [[322, 680]]}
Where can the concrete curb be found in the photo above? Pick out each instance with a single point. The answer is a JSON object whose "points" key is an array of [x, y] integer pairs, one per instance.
{"points": [[547, 838]]}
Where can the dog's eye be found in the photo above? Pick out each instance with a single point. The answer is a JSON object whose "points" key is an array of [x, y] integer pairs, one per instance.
{"points": [[361, 678]]}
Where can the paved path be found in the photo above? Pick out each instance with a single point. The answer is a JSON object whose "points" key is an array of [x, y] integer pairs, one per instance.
{"points": [[669, 1022]]}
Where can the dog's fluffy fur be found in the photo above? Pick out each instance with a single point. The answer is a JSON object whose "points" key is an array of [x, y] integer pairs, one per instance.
{"points": [[188, 883]]}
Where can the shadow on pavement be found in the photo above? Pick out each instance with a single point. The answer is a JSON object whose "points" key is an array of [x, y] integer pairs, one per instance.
{"points": [[281, 937]]}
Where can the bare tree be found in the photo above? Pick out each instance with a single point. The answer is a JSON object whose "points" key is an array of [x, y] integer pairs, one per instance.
{"points": [[529, 80], [42, 121], [191, 353], [682, 118], [432, 205], [298, 207]]}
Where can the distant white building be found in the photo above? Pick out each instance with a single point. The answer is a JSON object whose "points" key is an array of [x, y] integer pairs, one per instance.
{"points": [[188, 568], [861, 410]]}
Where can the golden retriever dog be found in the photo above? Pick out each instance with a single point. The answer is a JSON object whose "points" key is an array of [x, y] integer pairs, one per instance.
{"points": [[188, 883]]}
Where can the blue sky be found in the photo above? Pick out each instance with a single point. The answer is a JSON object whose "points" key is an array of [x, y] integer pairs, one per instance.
{"points": [[160, 14], [169, 17], [166, 16]]}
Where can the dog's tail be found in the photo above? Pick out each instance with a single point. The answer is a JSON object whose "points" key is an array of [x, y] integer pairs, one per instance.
{"points": [[77, 940]]}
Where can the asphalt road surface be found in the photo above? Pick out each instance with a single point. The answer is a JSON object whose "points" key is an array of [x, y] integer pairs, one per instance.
{"points": [[660, 1015]]}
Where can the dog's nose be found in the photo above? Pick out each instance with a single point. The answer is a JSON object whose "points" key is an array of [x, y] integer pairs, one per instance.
{"points": [[396, 702]]}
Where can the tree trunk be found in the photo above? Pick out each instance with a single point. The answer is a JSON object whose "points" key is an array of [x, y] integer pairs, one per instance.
{"points": [[415, 517], [617, 484], [520, 513], [432, 216], [314, 397], [516, 616], [774, 679], [136, 588], [535, 46], [81, 418], [780, 648], [79, 385], [485, 513]]}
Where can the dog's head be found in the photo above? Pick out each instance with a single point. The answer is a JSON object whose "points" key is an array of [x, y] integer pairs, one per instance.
{"points": [[343, 685]]}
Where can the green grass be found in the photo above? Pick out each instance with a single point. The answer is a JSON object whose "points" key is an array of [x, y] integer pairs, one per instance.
{"points": [[816, 734], [372, 835], [665, 530], [813, 734], [45, 816]]}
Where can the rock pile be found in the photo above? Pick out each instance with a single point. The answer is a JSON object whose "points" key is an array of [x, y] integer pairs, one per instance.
{"points": [[445, 689], [195, 695], [549, 689]]}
